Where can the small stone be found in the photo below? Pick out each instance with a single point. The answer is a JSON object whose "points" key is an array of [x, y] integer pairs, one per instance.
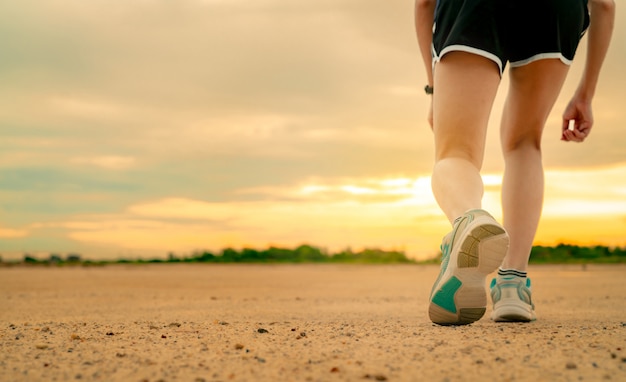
{"points": [[41, 346], [261, 330], [377, 377], [334, 370], [570, 366], [163, 336], [75, 337], [110, 334], [120, 355], [175, 324], [239, 346]]}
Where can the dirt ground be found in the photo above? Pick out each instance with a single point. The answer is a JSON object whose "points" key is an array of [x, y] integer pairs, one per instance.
{"points": [[201, 322]]}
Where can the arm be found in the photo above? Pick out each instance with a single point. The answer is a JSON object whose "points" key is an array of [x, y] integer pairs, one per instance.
{"points": [[424, 18], [602, 16]]}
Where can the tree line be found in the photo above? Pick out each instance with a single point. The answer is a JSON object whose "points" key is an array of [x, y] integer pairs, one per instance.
{"points": [[559, 254]]}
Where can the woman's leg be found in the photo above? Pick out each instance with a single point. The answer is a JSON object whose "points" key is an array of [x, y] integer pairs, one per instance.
{"points": [[465, 87], [533, 90]]}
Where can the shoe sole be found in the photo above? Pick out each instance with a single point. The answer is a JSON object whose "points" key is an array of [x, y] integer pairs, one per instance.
{"points": [[461, 297], [512, 312]]}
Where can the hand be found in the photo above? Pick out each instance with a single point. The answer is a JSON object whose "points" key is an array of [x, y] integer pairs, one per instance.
{"points": [[579, 112]]}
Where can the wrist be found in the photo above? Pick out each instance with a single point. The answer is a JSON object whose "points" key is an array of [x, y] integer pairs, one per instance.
{"points": [[584, 94]]}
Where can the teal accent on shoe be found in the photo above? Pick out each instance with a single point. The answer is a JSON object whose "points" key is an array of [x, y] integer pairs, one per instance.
{"points": [[493, 283], [446, 247], [445, 296]]}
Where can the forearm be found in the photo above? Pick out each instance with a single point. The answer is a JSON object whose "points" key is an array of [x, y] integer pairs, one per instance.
{"points": [[424, 17], [602, 13]]}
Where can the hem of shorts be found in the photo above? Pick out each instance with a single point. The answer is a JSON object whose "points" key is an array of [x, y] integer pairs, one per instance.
{"points": [[468, 49], [541, 56]]}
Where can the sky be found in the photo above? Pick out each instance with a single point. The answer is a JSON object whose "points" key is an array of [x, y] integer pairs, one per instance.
{"points": [[139, 128]]}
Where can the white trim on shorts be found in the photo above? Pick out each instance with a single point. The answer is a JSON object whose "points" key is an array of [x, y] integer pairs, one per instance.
{"points": [[542, 56], [468, 49]]}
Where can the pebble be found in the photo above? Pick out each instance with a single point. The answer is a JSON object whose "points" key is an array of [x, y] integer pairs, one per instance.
{"points": [[570, 366], [261, 330], [377, 377]]}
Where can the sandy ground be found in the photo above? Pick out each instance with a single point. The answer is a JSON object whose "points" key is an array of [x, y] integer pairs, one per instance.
{"points": [[297, 323]]}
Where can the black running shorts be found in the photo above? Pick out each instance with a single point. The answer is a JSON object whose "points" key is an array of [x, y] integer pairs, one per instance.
{"points": [[514, 31]]}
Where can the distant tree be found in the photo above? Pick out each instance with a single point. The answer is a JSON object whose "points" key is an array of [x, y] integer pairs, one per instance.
{"points": [[250, 255], [73, 258], [207, 257], [30, 259], [307, 253], [229, 255], [54, 259]]}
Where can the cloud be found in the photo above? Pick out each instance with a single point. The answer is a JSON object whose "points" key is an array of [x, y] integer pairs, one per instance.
{"points": [[210, 118], [111, 162], [8, 233]]}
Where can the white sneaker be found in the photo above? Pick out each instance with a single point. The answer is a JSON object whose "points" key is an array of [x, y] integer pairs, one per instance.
{"points": [[512, 301], [474, 249]]}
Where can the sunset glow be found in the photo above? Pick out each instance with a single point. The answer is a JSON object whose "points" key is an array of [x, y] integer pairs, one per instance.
{"points": [[151, 127]]}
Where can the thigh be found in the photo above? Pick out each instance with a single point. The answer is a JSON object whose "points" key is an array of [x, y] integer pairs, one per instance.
{"points": [[533, 91], [465, 87]]}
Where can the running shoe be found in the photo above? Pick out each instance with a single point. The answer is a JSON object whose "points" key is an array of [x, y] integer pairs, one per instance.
{"points": [[512, 301], [474, 249]]}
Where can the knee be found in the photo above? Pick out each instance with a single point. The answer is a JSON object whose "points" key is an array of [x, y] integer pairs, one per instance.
{"points": [[527, 137], [530, 141]]}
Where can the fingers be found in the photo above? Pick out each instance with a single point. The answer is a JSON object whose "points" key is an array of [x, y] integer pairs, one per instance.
{"points": [[575, 131]]}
